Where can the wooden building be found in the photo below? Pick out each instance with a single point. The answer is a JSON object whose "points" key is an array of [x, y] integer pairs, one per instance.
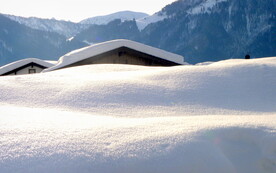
{"points": [[25, 66], [119, 52]]}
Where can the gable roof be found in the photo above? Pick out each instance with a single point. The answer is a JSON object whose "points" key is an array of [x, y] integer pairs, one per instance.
{"points": [[97, 49], [17, 64]]}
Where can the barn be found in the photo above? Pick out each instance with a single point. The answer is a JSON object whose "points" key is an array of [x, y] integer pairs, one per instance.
{"points": [[118, 52]]}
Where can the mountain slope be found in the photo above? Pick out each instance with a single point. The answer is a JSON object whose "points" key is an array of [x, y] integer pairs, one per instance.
{"points": [[65, 28], [123, 15], [18, 41], [201, 30], [116, 29], [210, 30]]}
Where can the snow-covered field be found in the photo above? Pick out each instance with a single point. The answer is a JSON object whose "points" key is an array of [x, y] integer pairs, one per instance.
{"points": [[214, 118]]}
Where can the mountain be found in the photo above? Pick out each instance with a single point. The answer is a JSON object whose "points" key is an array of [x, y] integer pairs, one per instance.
{"points": [[211, 30], [61, 27], [121, 28], [115, 29], [123, 15], [70, 29], [18, 41], [200, 30], [145, 21], [22, 37]]}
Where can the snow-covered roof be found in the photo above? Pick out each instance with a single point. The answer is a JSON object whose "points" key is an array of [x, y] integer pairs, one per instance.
{"points": [[17, 64], [97, 49], [51, 62]]}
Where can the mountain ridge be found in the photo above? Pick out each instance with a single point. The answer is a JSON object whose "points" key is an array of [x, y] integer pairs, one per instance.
{"points": [[199, 30], [70, 29], [18, 41], [226, 29], [105, 19]]}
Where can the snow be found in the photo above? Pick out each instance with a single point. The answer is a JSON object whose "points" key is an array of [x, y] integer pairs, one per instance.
{"points": [[205, 63], [142, 19], [213, 118], [205, 6], [51, 62], [96, 49], [87, 42], [70, 39], [14, 65], [123, 15], [145, 21]]}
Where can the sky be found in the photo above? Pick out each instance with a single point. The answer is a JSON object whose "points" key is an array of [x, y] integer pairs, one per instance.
{"points": [[77, 10]]}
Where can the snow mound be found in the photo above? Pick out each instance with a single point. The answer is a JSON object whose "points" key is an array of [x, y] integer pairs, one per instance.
{"points": [[226, 87], [39, 140], [211, 118]]}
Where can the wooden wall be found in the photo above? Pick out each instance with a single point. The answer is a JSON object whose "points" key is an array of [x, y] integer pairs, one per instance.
{"points": [[124, 56]]}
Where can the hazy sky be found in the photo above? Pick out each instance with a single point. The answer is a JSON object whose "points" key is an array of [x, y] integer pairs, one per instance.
{"points": [[76, 10]]}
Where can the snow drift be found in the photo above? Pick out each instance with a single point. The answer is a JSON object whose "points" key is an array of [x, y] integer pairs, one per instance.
{"points": [[210, 118]]}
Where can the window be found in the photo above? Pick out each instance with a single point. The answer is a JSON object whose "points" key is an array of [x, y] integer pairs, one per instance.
{"points": [[121, 53], [31, 71]]}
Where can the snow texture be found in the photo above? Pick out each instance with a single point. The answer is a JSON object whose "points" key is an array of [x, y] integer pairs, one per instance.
{"points": [[211, 118], [14, 65], [96, 49]]}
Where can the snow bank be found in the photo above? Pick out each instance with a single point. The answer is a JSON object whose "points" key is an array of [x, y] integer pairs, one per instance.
{"points": [[211, 118], [226, 87], [96, 49], [39, 140]]}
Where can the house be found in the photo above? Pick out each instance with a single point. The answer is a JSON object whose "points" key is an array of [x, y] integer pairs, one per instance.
{"points": [[118, 52], [25, 66]]}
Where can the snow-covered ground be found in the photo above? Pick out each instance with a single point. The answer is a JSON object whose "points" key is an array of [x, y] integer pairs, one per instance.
{"points": [[213, 118]]}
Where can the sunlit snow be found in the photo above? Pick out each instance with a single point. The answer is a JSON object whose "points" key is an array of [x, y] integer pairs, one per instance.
{"points": [[212, 118]]}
